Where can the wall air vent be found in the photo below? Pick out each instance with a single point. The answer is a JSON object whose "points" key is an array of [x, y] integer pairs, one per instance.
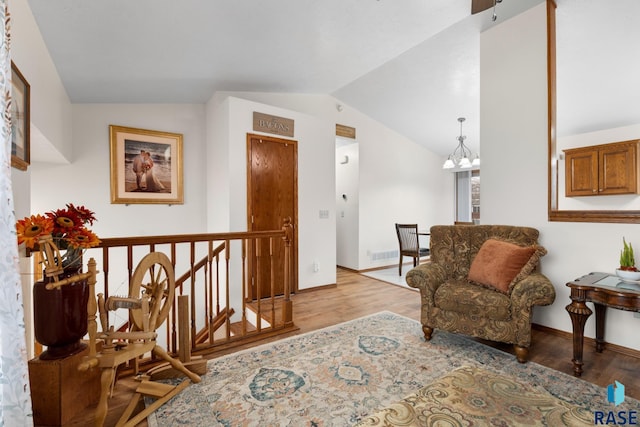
{"points": [[384, 255]]}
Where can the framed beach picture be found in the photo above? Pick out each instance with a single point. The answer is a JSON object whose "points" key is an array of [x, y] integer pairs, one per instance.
{"points": [[146, 166], [20, 122]]}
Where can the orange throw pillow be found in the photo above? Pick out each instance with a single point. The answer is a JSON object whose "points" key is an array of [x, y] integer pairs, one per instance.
{"points": [[498, 264]]}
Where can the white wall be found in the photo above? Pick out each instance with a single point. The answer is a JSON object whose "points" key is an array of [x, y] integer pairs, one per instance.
{"points": [[217, 174], [50, 106], [316, 180], [50, 111], [624, 201], [347, 205], [87, 180], [514, 171], [399, 180]]}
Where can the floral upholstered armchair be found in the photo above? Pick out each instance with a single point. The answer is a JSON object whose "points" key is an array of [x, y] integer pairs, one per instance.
{"points": [[482, 282]]}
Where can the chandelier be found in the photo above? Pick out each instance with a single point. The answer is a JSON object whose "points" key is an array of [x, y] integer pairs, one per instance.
{"points": [[461, 155]]}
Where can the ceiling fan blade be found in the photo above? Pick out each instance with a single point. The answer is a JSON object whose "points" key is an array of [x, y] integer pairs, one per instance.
{"points": [[480, 5]]}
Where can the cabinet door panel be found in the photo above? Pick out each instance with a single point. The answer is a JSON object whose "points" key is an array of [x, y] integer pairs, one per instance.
{"points": [[581, 173], [617, 170]]}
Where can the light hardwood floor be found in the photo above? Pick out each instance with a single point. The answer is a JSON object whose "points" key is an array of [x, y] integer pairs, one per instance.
{"points": [[356, 295]]}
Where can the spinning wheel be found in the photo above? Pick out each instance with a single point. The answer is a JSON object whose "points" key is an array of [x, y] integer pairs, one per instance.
{"points": [[155, 278], [151, 298]]}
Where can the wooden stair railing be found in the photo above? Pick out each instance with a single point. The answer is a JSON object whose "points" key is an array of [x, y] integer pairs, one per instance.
{"points": [[216, 275], [218, 321]]}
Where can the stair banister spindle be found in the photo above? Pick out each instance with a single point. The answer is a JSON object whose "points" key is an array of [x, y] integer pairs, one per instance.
{"points": [[119, 255]]}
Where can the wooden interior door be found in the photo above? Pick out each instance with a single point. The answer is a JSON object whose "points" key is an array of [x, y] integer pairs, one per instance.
{"points": [[272, 196]]}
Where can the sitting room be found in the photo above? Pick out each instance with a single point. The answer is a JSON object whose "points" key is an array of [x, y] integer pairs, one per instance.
{"points": [[163, 123]]}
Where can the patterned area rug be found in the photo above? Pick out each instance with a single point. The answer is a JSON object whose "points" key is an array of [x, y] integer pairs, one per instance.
{"points": [[339, 375], [474, 396]]}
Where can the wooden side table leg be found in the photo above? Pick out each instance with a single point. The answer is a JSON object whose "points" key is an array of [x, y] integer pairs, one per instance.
{"points": [[601, 311], [579, 313]]}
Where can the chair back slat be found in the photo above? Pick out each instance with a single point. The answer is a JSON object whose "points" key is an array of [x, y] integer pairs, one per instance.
{"points": [[407, 237]]}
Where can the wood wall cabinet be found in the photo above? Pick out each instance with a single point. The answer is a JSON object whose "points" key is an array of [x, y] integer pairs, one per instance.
{"points": [[601, 170]]}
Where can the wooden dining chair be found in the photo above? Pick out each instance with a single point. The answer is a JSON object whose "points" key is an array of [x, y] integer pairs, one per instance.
{"points": [[409, 244]]}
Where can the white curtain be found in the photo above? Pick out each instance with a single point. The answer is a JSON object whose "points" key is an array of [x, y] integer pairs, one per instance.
{"points": [[15, 396]]}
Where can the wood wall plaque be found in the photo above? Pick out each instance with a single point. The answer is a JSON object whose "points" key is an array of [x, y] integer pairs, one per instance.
{"points": [[345, 131], [272, 124]]}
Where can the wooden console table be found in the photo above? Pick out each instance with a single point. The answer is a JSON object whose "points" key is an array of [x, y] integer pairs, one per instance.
{"points": [[603, 290]]}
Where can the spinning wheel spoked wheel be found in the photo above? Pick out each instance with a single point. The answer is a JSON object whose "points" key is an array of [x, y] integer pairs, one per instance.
{"points": [[154, 276]]}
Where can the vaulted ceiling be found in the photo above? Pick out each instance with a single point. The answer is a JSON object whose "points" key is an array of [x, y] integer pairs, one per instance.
{"points": [[412, 65]]}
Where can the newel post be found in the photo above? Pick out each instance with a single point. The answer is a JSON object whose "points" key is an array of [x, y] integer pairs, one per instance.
{"points": [[287, 307]]}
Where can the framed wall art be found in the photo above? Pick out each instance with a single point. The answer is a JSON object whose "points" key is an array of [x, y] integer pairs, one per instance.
{"points": [[20, 120], [146, 166]]}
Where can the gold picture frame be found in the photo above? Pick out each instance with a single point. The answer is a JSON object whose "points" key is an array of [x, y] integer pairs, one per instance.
{"points": [[20, 119], [146, 166]]}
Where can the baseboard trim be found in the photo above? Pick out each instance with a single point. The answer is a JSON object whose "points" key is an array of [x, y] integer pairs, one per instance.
{"points": [[384, 267], [368, 270], [317, 288], [588, 341], [348, 269]]}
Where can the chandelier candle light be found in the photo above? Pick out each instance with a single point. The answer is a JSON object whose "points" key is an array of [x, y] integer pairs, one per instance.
{"points": [[460, 156]]}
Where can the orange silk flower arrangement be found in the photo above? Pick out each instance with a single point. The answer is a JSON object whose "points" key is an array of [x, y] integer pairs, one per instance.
{"points": [[68, 228]]}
